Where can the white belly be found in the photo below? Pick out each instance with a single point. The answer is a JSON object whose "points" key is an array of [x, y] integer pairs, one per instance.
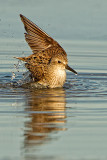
{"points": [[58, 79]]}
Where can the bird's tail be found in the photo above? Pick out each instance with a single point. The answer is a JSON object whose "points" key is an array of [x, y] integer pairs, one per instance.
{"points": [[21, 58]]}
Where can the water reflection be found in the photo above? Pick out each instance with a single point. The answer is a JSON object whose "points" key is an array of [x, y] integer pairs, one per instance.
{"points": [[46, 110]]}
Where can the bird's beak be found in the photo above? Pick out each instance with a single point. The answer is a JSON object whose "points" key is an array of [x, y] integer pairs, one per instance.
{"points": [[70, 69]]}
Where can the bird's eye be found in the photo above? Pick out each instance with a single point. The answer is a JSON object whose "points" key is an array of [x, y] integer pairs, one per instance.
{"points": [[59, 61]]}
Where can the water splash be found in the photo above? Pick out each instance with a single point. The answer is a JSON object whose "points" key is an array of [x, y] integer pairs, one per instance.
{"points": [[13, 76]]}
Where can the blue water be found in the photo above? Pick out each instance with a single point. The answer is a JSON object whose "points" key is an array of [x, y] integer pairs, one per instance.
{"points": [[67, 123]]}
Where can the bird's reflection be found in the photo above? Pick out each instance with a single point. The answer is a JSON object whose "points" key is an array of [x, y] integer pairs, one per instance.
{"points": [[46, 110]]}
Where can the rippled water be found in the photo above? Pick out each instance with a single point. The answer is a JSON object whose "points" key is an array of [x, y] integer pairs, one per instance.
{"points": [[69, 123], [66, 123]]}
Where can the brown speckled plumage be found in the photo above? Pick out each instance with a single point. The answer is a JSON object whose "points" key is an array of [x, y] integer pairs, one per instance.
{"points": [[48, 62]]}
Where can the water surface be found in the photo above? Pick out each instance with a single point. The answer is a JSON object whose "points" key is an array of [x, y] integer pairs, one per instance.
{"points": [[67, 123]]}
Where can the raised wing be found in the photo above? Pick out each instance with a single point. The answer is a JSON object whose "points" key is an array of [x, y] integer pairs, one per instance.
{"points": [[43, 47], [37, 39]]}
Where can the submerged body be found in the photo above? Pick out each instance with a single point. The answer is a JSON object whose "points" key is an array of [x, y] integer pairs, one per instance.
{"points": [[48, 62]]}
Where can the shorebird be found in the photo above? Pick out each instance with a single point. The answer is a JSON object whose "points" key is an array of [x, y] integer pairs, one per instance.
{"points": [[48, 62]]}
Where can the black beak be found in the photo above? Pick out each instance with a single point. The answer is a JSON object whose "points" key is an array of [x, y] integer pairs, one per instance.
{"points": [[70, 69]]}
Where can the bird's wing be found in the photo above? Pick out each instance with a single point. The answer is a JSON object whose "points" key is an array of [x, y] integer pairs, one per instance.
{"points": [[37, 39], [43, 47], [36, 71], [37, 64]]}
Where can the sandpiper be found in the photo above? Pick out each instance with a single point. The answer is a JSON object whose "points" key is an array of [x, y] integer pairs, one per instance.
{"points": [[48, 62]]}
